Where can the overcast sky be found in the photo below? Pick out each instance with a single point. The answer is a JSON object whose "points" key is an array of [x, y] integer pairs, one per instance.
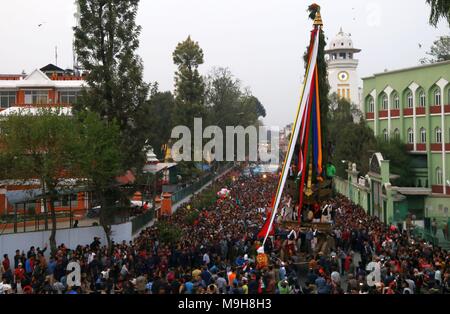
{"points": [[260, 41]]}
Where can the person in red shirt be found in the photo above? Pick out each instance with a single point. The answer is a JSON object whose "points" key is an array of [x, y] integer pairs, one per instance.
{"points": [[6, 263], [19, 273]]}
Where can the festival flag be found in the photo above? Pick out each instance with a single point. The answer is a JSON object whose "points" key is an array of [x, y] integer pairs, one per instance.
{"points": [[306, 130], [265, 229]]}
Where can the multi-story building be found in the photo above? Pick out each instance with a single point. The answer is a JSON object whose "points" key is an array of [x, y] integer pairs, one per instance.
{"points": [[413, 105], [49, 86], [46, 87]]}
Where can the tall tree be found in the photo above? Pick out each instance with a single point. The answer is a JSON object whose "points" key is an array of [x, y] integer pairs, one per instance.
{"points": [[98, 159], [223, 93], [160, 109], [440, 9], [106, 41], [40, 147], [439, 51], [189, 84], [350, 141], [228, 104]]}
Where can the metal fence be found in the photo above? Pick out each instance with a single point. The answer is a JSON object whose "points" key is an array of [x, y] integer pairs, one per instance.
{"points": [[424, 234], [29, 222], [141, 221], [196, 186]]}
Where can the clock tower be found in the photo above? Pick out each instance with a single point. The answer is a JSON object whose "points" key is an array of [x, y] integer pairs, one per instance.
{"points": [[342, 68]]}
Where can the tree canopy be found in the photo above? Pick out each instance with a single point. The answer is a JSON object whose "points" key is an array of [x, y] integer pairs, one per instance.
{"points": [[106, 42], [439, 51], [440, 9]]}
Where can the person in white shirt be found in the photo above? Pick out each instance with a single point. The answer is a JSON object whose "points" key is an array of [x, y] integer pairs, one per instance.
{"points": [[206, 259], [91, 257], [438, 277]]}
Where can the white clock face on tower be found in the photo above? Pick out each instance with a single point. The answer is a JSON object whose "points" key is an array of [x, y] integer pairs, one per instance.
{"points": [[343, 76]]}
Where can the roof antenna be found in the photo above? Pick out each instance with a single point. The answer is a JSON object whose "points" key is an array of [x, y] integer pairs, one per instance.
{"points": [[56, 55]]}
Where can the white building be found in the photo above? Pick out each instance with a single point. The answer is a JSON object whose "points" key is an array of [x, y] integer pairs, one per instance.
{"points": [[342, 68]]}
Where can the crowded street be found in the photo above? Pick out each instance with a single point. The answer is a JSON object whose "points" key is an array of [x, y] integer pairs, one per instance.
{"points": [[218, 253]]}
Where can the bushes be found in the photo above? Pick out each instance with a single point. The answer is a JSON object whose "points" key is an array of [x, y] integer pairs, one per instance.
{"points": [[168, 233], [205, 199], [191, 217]]}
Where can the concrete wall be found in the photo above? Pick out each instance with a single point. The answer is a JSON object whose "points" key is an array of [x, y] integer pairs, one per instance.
{"points": [[9, 243], [352, 191]]}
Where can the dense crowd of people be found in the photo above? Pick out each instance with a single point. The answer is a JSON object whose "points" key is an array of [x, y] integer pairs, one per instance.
{"points": [[220, 253]]}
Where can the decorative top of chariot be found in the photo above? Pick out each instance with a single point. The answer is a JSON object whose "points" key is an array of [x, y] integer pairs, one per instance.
{"points": [[314, 14]]}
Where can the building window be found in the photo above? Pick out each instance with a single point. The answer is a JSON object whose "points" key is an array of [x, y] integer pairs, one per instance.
{"points": [[385, 135], [7, 99], [422, 98], [396, 101], [348, 95], [385, 103], [371, 105], [397, 134], [438, 132], [439, 176], [68, 97], [36, 97], [423, 135], [437, 97], [410, 100], [410, 136], [343, 55]]}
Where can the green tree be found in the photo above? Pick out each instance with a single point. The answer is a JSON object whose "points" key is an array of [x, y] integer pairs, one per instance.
{"points": [[400, 159], [223, 94], [168, 233], [189, 84], [350, 141], [40, 147], [106, 42], [439, 51], [160, 111], [440, 9], [98, 159]]}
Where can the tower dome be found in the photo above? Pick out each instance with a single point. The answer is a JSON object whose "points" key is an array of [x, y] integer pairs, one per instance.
{"points": [[342, 41]]}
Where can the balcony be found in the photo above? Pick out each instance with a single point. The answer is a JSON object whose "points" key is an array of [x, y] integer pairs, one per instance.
{"points": [[437, 147], [410, 147], [395, 112], [439, 189], [421, 147], [447, 108], [420, 110], [383, 114], [435, 109], [408, 111], [370, 115]]}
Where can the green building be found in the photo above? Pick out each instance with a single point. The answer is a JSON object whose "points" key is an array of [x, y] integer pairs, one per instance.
{"points": [[412, 104]]}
